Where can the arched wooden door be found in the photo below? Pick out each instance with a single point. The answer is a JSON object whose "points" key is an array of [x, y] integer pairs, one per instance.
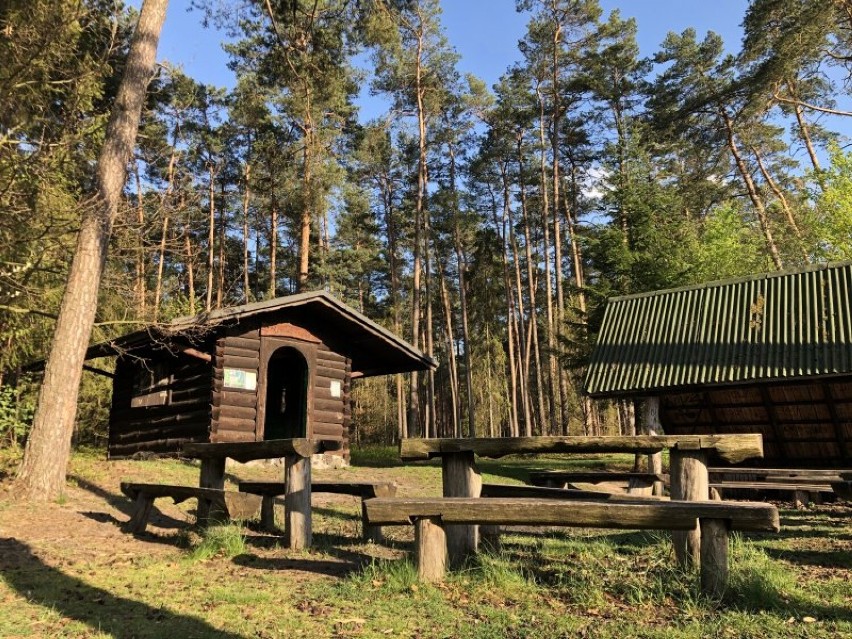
{"points": [[286, 414]]}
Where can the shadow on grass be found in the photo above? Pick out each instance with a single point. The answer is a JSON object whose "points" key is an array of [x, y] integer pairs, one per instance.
{"points": [[822, 558], [123, 504], [99, 609]]}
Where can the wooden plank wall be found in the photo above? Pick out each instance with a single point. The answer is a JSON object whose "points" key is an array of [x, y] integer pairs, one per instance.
{"points": [[163, 429], [234, 412], [331, 416]]}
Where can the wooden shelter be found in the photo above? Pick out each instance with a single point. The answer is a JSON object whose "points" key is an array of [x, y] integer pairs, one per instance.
{"points": [[276, 369], [768, 354]]}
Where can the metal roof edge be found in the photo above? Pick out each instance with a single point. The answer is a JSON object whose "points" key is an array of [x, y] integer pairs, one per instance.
{"points": [[733, 280]]}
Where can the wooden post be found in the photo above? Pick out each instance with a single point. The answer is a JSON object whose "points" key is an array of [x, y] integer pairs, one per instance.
{"points": [[371, 533], [690, 481], [652, 426], [714, 557], [490, 537], [267, 512], [297, 502], [461, 479], [212, 476], [430, 542], [142, 509]]}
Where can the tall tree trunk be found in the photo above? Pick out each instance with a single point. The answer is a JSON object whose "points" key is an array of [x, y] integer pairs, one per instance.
{"points": [[753, 193], [305, 220], [158, 289], [532, 286], [211, 235], [455, 413], [273, 253], [420, 213], [140, 257], [220, 269], [190, 268], [804, 129], [246, 202], [788, 212], [548, 281], [42, 473]]}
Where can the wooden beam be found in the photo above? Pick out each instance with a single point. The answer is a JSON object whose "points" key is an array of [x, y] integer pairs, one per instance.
{"points": [[732, 448], [269, 449], [194, 352], [98, 371]]}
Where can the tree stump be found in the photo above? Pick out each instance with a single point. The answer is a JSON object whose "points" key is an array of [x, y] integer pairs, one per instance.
{"points": [[461, 479], [297, 502]]}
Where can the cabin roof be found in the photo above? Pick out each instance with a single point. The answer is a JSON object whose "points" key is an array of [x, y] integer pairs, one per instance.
{"points": [[373, 349], [791, 325]]}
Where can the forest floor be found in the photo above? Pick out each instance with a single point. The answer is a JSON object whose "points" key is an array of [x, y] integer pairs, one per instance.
{"points": [[67, 570]]}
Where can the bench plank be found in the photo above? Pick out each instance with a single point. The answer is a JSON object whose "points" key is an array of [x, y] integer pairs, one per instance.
{"points": [[269, 449], [542, 492], [654, 515], [731, 448], [232, 504]]}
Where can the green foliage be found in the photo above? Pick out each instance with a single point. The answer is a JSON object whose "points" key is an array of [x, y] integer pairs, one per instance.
{"points": [[16, 415], [830, 223], [729, 246]]}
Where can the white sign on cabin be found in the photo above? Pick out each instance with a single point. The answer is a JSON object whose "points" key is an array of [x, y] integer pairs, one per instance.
{"points": [[236, 378], [335, 388]]}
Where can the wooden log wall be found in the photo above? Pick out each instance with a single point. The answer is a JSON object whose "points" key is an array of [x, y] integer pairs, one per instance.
{"points": [[234, 411], [163, 429], [331, 416]]}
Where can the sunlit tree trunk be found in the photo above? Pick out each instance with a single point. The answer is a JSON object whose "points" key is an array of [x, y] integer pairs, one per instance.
{"points": [[42, 473]]}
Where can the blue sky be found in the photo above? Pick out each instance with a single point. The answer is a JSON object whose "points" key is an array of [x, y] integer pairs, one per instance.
{"points": [[484, 32]]}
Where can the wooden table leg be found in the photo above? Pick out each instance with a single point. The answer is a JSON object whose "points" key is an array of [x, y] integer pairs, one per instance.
{"points": [[714, 557], [461, 478], [430, 542], [690, 481], [297, 502], [212, 476]]}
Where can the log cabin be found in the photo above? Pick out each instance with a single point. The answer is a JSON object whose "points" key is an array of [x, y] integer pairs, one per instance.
{"points": [[768, 354], [277, 369]]}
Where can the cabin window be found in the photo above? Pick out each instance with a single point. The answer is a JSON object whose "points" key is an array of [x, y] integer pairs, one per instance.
{"points": [[151, 385]]}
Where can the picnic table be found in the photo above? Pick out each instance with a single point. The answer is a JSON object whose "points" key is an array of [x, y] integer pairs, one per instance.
{"points": [[297, 476], [689, 455]]}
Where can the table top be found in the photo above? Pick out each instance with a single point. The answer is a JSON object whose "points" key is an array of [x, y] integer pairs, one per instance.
{"points": [[730, 448], [267, 449]]}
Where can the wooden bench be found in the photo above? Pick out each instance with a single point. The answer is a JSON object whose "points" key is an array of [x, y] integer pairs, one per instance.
{"points": [[268, 491], [688, 454], [612, 481], [803, 484], [543, 492], [227, 503], [715, 519]]}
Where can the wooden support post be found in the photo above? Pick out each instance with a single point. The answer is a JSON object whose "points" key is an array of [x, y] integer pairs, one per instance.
{"points": [[212, 476], [430, 542], [800, 499], [141, 511], [461, 479], [489, 537], [690, 481], [371, 533], [714, 557], [267, 513], [653, 426], [297, 502]]}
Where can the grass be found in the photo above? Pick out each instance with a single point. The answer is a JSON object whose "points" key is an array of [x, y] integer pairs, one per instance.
{"points": [[71, 573]]}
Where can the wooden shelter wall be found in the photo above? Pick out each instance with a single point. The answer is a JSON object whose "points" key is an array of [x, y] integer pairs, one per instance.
{"points": [[234, 412], [804, 422], [160, 429]]}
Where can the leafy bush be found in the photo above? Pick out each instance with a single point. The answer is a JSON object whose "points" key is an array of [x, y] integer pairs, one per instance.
{"points": [[16, 416]]}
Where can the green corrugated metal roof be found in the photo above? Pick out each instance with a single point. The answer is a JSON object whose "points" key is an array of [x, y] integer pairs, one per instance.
{"points": [[786, 325]]}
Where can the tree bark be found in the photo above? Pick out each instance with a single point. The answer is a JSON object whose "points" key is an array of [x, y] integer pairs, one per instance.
{"points": [[42, 473]]}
